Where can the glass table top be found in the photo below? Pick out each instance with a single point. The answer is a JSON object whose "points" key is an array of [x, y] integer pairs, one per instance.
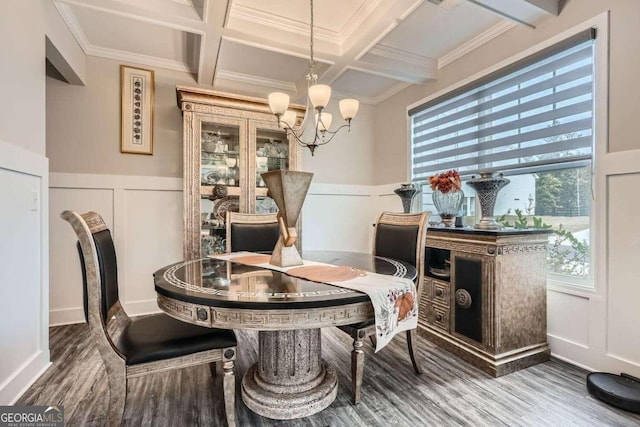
{"points": [[227, 284]]}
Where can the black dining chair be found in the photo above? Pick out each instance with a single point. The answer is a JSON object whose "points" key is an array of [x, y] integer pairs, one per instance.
{"points": [[147, 345], [252, 232], [402, 237]]}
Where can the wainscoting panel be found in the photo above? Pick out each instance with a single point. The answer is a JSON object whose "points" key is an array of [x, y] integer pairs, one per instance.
{"points": [[145, 218], [623, 320], [337, 218], [24, 264], [65, 298], [568, 317], [153, 239]]}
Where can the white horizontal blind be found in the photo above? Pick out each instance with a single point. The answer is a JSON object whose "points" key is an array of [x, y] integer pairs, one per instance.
{"points": [[537, 115]]}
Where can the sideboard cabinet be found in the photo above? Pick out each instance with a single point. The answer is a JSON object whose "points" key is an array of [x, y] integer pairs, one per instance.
{"points": [[228, 141], [484, 296]]}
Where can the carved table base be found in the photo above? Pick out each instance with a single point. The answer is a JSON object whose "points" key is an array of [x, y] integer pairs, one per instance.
{"points": [[290, 379]]}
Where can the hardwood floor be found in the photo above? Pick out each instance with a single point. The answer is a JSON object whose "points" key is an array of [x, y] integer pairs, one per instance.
{"points": [[449, 393]]}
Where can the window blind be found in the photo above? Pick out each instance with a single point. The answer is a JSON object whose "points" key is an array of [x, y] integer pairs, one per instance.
{"points": [[536, 114]]}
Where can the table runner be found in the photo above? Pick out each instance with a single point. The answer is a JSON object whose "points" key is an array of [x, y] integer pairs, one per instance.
{"points": [[394, 299]]}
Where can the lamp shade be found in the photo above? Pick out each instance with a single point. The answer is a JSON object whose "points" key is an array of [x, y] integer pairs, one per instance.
{"points": [[325, 122], [349, 108], [278, 102], [320, 95], [288, 119]]}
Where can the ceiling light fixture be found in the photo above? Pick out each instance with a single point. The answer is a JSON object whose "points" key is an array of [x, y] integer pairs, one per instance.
{"points": [[318, 96]]}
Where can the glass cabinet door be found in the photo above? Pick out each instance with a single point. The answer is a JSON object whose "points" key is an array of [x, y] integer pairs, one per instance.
{"points": [[222, 157], [272, 150]]}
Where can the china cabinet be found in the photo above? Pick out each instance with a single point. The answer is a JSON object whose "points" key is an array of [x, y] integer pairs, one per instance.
{"points": [[484, 296], [229, 140]]}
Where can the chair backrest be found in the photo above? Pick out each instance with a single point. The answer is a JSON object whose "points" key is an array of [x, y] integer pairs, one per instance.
{"points": [[252, 232], [99, 274], [402, 236]]}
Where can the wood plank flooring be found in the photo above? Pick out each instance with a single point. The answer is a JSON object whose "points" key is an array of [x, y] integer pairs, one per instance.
{"points": [[449, 393]]}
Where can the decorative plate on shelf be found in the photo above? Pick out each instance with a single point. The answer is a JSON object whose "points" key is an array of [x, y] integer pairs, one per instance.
{"points": [[224, 205], [440, 272]]}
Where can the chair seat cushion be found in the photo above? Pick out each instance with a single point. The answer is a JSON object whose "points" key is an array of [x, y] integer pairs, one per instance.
{"points": [[161, 337]]}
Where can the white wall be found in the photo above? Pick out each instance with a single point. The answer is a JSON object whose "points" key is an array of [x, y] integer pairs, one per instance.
{"points": [[24, 337]]}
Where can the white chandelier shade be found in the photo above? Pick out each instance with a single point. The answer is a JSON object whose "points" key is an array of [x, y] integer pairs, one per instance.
{"points": [[318, 96]]}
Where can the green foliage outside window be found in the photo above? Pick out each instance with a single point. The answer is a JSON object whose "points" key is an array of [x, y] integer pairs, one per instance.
{"points": [[566, 255]]}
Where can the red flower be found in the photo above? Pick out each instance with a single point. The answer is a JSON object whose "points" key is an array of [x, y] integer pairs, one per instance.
{"points": [[446, 181]]}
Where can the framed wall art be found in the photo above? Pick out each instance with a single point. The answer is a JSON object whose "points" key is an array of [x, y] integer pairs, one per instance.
{"points": [[137, 99]]}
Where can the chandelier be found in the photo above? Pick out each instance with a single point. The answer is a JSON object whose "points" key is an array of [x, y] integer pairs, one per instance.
{"points": [[318, 96]]}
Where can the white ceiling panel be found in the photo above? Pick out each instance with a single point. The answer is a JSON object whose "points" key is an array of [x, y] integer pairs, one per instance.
{"points": [[244, 59], [432, 31], [120, 33], [359, 83], [331, 15]]}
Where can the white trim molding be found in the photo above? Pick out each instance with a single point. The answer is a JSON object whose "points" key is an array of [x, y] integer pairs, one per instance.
{"points": [[473, 44]]}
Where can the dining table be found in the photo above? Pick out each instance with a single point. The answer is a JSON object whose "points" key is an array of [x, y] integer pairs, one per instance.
{"points": [[290, 379]]}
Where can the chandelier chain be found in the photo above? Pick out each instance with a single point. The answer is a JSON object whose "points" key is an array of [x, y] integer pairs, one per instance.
{"points": [[312, 64]]}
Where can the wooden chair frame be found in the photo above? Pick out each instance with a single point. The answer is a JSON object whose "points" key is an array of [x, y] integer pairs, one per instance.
{"points": [[247, 218], [359, 335], [118, 373]]}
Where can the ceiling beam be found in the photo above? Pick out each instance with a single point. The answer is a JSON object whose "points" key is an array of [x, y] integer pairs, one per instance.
{"points": [[215, 16], [551, 7]]}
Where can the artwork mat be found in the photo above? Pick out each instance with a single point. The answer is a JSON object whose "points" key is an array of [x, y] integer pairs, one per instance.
{"points": [[127, 145]]}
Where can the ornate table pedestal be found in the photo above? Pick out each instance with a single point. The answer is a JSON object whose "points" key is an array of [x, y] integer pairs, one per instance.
{"points": [[290, 379]]}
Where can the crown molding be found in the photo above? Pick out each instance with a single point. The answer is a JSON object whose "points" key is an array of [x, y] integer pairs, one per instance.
{"points": [[137, 58], [471, 45], [255, 80], [363, 99], [71, 21], [398, 87], [401, 55], [281, 23], [358, 18]]}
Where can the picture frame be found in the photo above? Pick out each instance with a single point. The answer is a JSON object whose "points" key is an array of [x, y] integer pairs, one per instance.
{"points": [[137, 87]]}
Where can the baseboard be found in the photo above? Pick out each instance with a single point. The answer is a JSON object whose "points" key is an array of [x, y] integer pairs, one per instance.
{"points": [[70, 316], [24, 377], [141, 307], [66, 316]]}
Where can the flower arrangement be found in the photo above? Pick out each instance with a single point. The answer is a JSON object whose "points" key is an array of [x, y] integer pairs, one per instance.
{"points": [[446, 181]]}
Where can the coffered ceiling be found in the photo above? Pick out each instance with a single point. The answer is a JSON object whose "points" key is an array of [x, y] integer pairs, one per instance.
{"points": [[369, 49]]}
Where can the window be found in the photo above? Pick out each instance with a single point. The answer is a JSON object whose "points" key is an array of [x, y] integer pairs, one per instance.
{"points": [[532, 121]]}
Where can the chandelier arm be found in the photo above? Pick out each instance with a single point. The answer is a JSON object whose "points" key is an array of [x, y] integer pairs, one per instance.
{"points": [[333, 134]]}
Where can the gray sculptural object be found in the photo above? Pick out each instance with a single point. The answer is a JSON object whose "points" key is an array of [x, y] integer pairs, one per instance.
{"points": [[487, 187], [406, 192], [288, 189]]}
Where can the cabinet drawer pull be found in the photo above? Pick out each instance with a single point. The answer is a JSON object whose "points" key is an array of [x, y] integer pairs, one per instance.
{"points": [[439, 292], [438, 317], [463, 298]]}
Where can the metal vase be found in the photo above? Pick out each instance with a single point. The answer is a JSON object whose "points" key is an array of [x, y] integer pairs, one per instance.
{"points": [[406, 192], [487, 187]]}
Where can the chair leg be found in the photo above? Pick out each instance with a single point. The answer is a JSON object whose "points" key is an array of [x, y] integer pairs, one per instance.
{"points": [[229, 389], [117, 397], [412, 340], [357, 368], [374, 341]]}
